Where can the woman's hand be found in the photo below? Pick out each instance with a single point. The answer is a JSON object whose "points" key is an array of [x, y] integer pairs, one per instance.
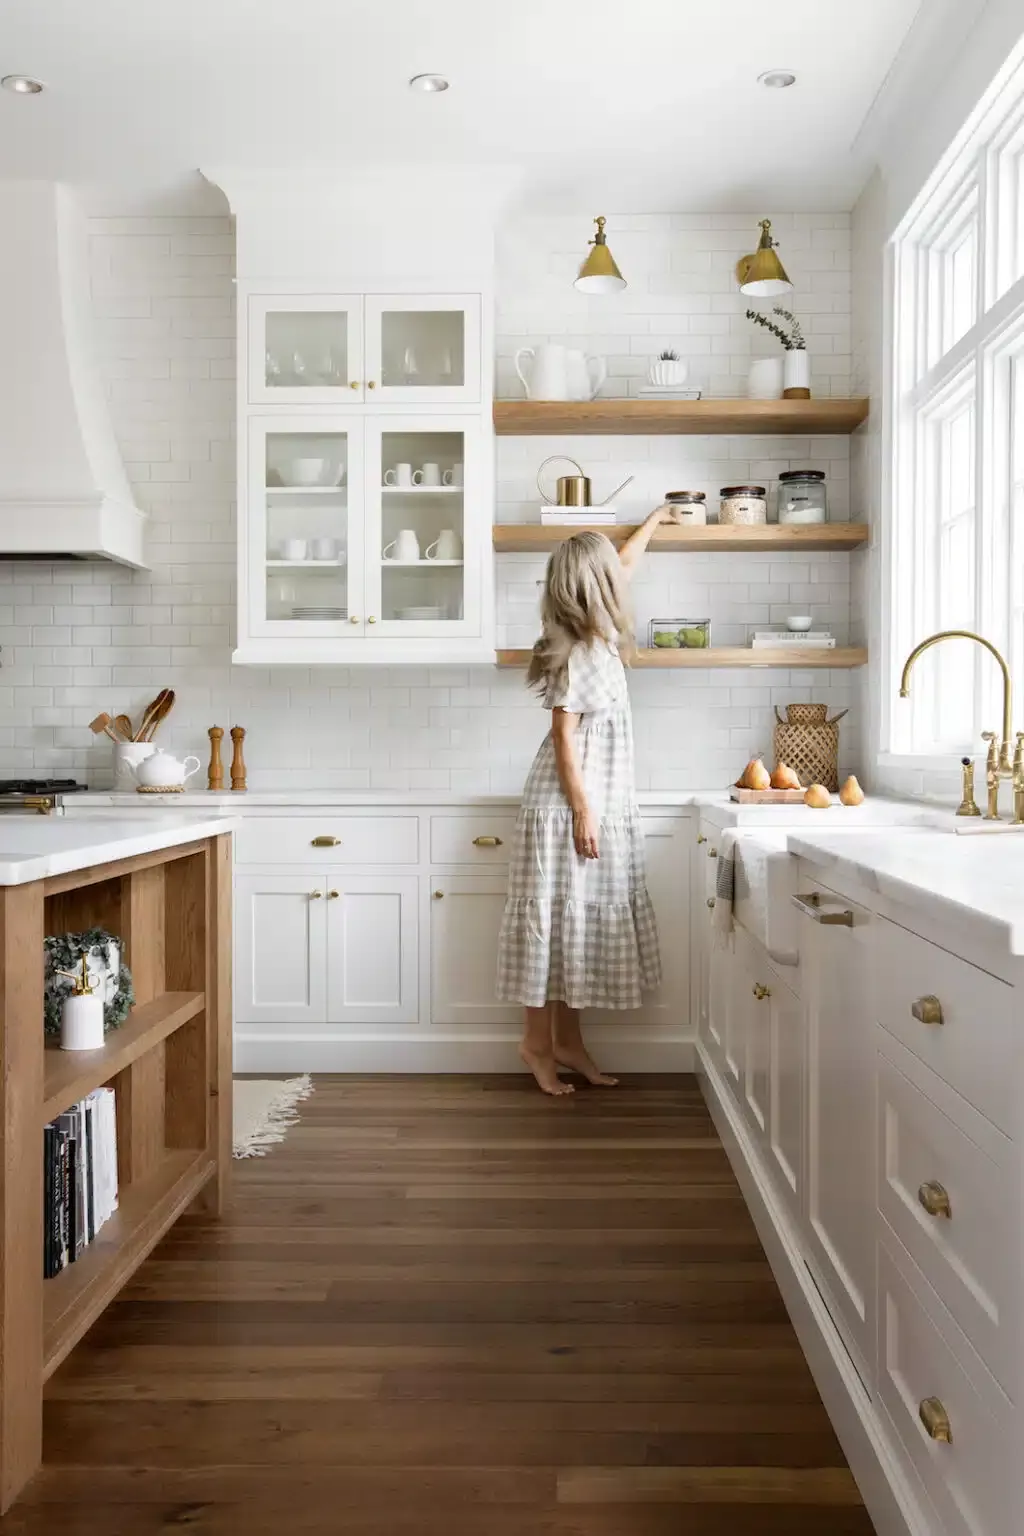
{"points": [[584, 833]]}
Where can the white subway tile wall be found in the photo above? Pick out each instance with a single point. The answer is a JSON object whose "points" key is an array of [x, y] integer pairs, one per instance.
{"points": [[78, 639]]}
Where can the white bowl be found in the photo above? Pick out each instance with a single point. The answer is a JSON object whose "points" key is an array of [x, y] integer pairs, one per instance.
{"points": [[305, 471], [799, 623]]}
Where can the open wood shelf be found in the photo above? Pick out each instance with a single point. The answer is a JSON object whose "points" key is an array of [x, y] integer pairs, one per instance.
{"points": [[529, 418], [69, 1075], [535, 538], [74, 1299], [728, 656]]}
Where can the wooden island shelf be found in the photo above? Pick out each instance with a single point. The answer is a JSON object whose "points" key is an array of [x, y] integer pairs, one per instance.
{"points": [[716, 538], [798, 418], [169, 1066]]}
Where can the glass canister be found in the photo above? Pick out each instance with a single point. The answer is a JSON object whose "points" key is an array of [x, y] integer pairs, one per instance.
{"points": [[802, 496], [691, 506], [743, 505]]}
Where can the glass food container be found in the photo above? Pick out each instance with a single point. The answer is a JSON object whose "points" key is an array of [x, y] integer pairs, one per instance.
{"points": [[802, 496], [743, 505], [691, 506], [679, 634]]}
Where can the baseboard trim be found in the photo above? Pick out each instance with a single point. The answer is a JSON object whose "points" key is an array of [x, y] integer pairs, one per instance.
{"points": [[618, 1051], [895, 1506]]}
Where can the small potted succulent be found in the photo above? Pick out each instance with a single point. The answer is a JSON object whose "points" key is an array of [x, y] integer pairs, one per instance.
{"points": [[796, 375], [667, 371]]}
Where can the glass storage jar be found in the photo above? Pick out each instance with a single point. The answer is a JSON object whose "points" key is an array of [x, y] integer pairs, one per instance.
{"points": [[691, 506], [743, 505], [802, 496]]}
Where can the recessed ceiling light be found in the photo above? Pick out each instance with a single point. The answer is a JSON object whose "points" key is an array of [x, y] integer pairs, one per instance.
{"points": [[22, 85], [428, 83], [777, 79]]}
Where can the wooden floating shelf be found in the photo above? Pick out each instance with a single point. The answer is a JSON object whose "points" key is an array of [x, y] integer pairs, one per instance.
{"points": [[69, 1075], [729, 656], [537, 538], [74, 1299], [530, 418]]}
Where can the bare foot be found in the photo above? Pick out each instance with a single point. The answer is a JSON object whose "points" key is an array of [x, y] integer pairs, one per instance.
{"points": [[546, 1073], [579, 1061]]}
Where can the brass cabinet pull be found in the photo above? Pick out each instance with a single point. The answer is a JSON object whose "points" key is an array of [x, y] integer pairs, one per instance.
{"points": [[935, 1199], [701, 838], [372, 619], [487, 842], [761, 991], [439, 895], [712, 853], [928, 1009], [811, 907], [332, 895], [353, 383], [936, 1420], [353, 618], [371, 383], [711, 901], [315, 895], [325, 842]]}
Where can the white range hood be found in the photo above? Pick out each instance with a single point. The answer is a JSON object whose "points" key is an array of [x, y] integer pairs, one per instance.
{"points": [[63, 490]]}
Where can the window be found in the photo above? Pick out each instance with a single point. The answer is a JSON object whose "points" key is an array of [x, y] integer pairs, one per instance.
{"points": [[957, 510]]}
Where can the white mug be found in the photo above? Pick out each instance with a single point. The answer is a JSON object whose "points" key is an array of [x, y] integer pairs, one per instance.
{"points": [[325, 549], [294, 549], [400, 475], [430, 474], [452, 476], [447, 546], [405, 547]]}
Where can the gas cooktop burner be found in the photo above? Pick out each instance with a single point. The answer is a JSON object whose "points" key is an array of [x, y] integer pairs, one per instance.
{"points": [[40, 786]]}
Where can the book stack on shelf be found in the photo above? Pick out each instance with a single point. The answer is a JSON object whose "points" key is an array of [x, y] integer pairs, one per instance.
{"points": [[577, 517], [79, 1178], [666, 392], [812, 639]]}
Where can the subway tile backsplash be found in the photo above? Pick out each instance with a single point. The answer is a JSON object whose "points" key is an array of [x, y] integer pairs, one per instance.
{"points": [[80, 639]]}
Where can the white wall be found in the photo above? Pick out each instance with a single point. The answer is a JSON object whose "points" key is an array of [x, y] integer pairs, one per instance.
{"points": [[78, 639]]}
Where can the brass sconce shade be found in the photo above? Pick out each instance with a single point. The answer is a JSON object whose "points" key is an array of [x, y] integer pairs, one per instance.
{"points": [[762, 275], [599, 274]]}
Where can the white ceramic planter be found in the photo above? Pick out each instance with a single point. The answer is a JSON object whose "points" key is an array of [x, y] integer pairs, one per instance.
{"points": [[764, 381], [797, 374], [668, 373]]}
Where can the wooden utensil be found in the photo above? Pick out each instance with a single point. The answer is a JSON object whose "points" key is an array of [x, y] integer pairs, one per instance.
{"points": [[151, 716], [164, 705], [123, 724], [101, 727]]}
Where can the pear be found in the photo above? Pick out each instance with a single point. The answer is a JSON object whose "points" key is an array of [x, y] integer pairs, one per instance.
{"points": [[851, 792], [784, 778], [756, 775], [818, 798]]}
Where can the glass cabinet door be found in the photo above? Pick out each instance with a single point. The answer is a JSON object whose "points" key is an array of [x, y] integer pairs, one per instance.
{"points": [[423, 348], [305, 529], [421, 475], [305, 350]]}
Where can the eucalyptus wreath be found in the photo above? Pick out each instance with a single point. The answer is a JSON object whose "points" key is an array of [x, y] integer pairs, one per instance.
{"points": [[63, 952]]}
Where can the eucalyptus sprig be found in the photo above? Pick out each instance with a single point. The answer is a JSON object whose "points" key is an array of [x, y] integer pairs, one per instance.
{"points": [[792, 338], [797, 342]]}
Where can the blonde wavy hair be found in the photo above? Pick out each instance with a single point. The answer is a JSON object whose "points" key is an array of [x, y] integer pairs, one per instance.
{"points": [[585, 599]]}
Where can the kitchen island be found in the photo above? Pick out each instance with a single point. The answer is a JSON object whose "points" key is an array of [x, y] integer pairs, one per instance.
{"points": [[163, 887]]}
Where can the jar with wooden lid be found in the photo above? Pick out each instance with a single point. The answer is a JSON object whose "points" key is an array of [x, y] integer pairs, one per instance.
{"points": [[743, 506], [802, 497], [690, 505]]}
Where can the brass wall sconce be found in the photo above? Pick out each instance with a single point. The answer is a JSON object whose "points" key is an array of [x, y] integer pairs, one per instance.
{"points": [[761, 275]]}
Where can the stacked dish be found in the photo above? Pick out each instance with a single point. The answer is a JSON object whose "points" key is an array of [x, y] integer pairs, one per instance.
{"points": [[319, 613], [430, 611]]}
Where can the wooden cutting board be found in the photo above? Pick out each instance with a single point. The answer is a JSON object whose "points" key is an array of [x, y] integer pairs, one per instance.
{"points": [[767, 796]]}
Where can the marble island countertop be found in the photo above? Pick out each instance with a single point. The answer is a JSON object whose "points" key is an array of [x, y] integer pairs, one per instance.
{"points": [[36, 847]]}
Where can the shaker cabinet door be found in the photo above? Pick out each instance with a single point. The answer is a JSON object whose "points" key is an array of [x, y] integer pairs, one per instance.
{"points": [[465, 916], [372, 949], [280, 948]]}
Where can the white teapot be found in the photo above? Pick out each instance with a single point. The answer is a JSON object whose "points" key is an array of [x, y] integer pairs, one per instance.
{"points": [[162, 771]]}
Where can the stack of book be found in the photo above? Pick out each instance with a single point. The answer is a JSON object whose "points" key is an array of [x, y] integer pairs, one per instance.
{"points": [[814, 639], [79, 1178], [666, 392], [578, 517]]}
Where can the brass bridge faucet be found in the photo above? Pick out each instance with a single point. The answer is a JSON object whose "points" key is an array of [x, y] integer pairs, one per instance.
{"points": [[998, 763]]}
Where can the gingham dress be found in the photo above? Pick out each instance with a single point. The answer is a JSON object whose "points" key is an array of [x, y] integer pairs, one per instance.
{"points": [[581, 931]]}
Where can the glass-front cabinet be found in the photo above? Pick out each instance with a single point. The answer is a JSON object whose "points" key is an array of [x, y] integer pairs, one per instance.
{"points": [[395, 349]]}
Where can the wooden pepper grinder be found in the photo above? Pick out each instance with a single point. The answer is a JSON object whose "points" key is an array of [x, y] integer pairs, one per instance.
{"points": [[238, 761], [215, 775]]}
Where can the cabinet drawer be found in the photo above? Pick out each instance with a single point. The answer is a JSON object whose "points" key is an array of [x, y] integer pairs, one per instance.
{"points": [[370, 840], [973, 1048], [969, 1255], [478, 840], [925, 1360]]}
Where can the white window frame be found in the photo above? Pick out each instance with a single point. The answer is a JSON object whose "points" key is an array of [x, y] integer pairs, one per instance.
{"points": [[983, 169]]}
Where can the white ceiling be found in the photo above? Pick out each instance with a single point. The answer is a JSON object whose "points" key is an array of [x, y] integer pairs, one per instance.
{"points": [[638, 104]]}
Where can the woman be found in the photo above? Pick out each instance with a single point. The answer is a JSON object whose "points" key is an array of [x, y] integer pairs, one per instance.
{"points": [[578, 929]]}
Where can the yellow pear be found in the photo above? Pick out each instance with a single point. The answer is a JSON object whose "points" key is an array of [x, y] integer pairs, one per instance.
{"points": [[818, 798], [851, 792], [756, 775], [785, 778]]}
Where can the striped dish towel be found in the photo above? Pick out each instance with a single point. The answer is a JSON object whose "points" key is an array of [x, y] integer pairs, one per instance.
{"points": [[725, 889]]}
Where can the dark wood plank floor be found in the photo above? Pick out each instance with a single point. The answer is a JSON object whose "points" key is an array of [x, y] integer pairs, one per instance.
{"points": [[452, 1305]]}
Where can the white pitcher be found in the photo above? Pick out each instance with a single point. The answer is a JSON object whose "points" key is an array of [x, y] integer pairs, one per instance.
{"points": [[586, 374], [549, 374]]}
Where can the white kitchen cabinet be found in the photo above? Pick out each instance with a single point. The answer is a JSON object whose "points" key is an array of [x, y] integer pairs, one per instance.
{"points": [[666, 853], [786, 1092], [347, 349], [465, 917], [372, 957], [836, 961], [280, 948]]}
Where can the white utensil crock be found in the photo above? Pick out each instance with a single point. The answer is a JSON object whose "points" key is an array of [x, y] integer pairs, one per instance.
{"points": [[764, 381], [127, 757]]}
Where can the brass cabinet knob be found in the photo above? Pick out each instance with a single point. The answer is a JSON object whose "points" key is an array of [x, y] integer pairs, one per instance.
{"points": [[372, 619], [315, 895], [325, 842], [701, 838], [353, 619], [935, 1199], [936, 1420], [761, 991], [332, 895], [371, 383], [487, 842], [353, 383], [927, 1009], [711, 901], [712, 853], [439, 895]]}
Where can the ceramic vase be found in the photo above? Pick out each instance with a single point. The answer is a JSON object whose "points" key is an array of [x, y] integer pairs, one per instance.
{"points": [[764, 381], [797, 374], [668, 373]]}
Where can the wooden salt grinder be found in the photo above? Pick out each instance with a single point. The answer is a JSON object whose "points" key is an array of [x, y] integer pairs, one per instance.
{"points": [[215, 776], [238, 761]]}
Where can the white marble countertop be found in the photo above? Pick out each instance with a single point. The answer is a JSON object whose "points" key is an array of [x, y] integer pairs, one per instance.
{"points": [[35, 847], [974, 878]]}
